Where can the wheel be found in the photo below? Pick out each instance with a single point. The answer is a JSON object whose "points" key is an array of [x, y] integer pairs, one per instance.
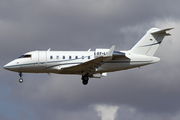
{"points": [[85, 79], [85, 82], [20, 80]]}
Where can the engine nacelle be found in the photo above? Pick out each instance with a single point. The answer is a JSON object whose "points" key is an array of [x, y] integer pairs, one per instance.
{"points": [[102, 52]]}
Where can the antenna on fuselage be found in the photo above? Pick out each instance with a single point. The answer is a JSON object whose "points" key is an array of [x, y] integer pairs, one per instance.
{"points": [[49, 49]]}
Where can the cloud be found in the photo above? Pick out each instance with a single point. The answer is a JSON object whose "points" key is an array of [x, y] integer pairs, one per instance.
{"points": [[106, 112], [150, 92]]}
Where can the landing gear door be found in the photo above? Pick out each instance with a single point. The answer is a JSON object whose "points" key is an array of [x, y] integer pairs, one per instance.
{"points": [[42, 58]]}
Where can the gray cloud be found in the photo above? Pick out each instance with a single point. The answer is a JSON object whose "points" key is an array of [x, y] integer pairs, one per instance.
{"points": [[152, 91]]}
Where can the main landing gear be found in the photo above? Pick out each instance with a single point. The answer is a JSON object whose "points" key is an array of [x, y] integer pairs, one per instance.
{"points": [[20, 80], [85, 79]]}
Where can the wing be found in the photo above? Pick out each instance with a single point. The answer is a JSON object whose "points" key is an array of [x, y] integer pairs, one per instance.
{"points": [[89, 66]]}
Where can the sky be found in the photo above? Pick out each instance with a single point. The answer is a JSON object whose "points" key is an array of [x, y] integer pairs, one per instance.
{"points": [[151, 92]]}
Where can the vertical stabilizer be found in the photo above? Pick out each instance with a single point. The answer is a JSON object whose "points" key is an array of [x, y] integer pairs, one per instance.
{"points": [[150, 42]]}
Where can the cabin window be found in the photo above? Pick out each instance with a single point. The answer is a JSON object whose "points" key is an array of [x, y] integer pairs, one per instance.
{"points": [[51, 57], [57, 57], [76, 57], [69, 57], [89, 57], [63, 57], [82, 57], [26, 56]]}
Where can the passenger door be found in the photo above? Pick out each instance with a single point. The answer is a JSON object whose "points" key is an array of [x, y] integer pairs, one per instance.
{"points": [[42, 58]]}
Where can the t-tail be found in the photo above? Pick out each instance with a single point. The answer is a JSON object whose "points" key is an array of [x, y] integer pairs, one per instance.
{"points": [[150, 42]]}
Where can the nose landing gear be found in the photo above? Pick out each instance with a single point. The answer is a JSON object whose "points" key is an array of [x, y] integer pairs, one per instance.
{"points": [[20, 80]]}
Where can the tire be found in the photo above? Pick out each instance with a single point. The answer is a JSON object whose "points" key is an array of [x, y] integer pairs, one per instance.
{"points": [[20, 80], [85, 82], [85, 79]]}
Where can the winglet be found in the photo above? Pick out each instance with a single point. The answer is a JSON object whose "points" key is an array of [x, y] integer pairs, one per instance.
{"points": [[110, 52]]}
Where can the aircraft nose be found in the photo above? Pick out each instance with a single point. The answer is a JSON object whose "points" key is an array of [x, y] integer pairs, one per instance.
{"points": [[11, 66], [7, 67]]}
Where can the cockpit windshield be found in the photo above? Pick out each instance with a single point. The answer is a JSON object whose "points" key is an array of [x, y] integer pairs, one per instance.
{"points": [[25, 56]]}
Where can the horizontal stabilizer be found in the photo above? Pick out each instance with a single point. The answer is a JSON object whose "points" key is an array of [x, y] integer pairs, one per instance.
{"points": [[162, 31]]}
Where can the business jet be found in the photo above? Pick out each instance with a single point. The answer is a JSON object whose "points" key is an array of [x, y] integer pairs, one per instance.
{"points": [[91, 64]]}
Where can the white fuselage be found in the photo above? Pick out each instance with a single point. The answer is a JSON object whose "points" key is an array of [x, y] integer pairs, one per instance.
{"points": [[54, 61]]}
